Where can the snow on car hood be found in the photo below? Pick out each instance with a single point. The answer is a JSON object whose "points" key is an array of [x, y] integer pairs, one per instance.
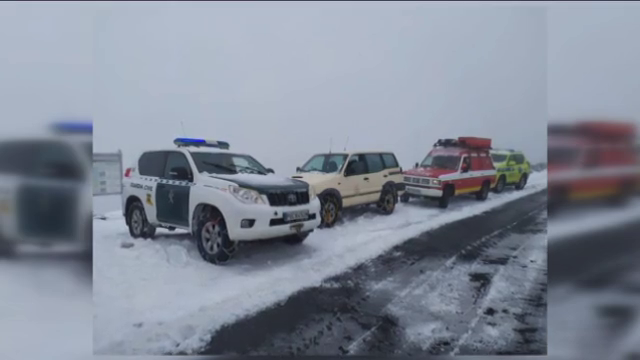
{"points": [[259, 182], [429, 172]]}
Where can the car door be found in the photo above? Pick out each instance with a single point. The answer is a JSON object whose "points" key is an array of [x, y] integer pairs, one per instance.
{"points": [[144, 184], [519, 167], [353, 185], [392, 172], [376, 178], [173, 190]]}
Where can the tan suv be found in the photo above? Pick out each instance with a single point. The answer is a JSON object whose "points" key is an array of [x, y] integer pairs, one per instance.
{"points": [[344, 180]]}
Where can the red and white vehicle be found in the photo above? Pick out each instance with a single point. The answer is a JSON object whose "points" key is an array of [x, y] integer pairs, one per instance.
{"points": [[590, 160], [453, 167]]}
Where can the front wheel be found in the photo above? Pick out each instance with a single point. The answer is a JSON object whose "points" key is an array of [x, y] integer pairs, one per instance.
{"points": [[330, 210], [443, 202], [500, 185], [387, 202], [213, 240], [522, 182], [296, 239]]}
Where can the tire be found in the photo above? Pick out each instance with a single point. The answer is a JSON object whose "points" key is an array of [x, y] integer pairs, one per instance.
{"points": [[296, 239], [330, 210], [443, 202], [522, 182], [483, 194], [139, 226], [212, 239], [404, 198], [387, 202], [500, 185]]}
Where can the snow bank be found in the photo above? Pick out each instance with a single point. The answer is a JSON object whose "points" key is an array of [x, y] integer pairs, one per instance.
{"points": [[159, 297]]}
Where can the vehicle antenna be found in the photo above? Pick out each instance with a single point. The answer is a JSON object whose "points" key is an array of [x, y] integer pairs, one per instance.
{"points": [[330, 144], [182, 125], [345, 144]]}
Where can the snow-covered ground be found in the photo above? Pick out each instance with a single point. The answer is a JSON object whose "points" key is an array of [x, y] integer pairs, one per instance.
{"points": [[160, 297], [45, 308]]}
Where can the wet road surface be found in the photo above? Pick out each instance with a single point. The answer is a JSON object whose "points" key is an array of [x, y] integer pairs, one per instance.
{"points": [[476, 286]]}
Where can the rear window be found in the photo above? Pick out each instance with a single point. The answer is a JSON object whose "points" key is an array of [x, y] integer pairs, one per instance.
{"points": [[152, 163], [390, 161], [518, 158]]}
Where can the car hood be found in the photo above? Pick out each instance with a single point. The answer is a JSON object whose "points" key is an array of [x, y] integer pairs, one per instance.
{"points": [[314, 177], [262, 183], [429, 172]]}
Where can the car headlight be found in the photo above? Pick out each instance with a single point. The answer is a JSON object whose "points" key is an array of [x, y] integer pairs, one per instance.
{"points": [[436, 182], [312, 193], [246, 196]]}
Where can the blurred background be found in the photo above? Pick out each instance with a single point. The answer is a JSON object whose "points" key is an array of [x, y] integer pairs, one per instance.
{"points": [[50, 178]]}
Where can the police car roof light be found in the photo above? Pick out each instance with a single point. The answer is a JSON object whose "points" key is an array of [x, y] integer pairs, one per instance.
{"points": [[201, 142], [73, 127]]}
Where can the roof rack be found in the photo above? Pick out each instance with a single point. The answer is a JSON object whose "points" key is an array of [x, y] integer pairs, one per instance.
{"points": [[465, 142], [185, 142]]}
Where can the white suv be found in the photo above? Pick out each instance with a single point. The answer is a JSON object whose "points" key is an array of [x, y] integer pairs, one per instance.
{"points": [[45, 190], [220, 197], [343, 180]]}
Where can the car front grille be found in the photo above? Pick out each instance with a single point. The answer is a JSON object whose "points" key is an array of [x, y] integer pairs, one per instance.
{"points": [[288, 198], [417, 180]]}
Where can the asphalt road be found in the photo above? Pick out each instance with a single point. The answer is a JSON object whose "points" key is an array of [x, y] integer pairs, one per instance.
{"points": [[476, 286], [594, 295]]}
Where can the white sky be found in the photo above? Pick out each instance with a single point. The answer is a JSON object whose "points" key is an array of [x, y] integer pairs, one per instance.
{"points": [[279, 80]]}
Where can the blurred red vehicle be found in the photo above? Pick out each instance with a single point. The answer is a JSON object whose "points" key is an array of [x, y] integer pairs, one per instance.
{"points": [[590, 160]]}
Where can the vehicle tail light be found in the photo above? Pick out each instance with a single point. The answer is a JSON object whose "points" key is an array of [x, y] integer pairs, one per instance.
{"points": [[127, 172]]}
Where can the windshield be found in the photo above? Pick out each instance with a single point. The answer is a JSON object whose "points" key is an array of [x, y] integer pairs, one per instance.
{"points": [[326, 163], [449, 162], [563, 155], [227, 164], [498, 158]]}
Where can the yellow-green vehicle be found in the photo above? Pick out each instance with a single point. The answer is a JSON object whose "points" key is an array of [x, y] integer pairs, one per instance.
{"points": [[512, 167]]}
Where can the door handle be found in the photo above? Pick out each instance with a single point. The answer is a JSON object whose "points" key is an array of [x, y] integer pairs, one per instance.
{"points": [[385, 175], [366, 179]]}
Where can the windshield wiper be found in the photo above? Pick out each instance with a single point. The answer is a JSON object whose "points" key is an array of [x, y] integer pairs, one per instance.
{"points": [[250, 169], [231, 170]]}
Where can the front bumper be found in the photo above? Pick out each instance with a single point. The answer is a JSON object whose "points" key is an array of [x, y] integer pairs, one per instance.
{"points": [[421, 191], [269, 221]]}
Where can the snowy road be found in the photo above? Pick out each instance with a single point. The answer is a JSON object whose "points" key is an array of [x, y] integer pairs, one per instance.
{"points": [[594, 295], [476, 286], [159, 297]]}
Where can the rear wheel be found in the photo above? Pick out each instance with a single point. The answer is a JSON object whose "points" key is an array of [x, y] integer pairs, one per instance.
{"points": [[522, 182], [297, 238], [213, 240], [500, 185], [139, 226], [387, 202], [483, 194], [330, 210]]}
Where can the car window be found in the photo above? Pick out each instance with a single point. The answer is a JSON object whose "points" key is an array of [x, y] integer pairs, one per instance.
{"points": [[357, 165], [390, 161], [518, 158], [316, 163], [467, 160], [152, 163], [374, 163], [227, 163], [15, 157], [327, 163], [54, 160], [499, 158], [175, 161], [440, 161]]}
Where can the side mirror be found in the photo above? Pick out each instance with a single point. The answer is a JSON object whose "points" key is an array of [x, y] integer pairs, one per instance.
{"points": [[298, 169], [270, 171], [416, 165], [179, 173]]}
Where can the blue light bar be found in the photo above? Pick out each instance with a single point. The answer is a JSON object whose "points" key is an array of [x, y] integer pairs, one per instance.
{"points": [[201, 142], [73, 127]]}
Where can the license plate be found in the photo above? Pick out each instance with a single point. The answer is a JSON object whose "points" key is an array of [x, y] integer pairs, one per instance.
{"points": [[413, 190], [296, 215]]}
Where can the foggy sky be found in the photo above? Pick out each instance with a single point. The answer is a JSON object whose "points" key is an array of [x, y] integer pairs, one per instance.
{"points": [[281, 80]]}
